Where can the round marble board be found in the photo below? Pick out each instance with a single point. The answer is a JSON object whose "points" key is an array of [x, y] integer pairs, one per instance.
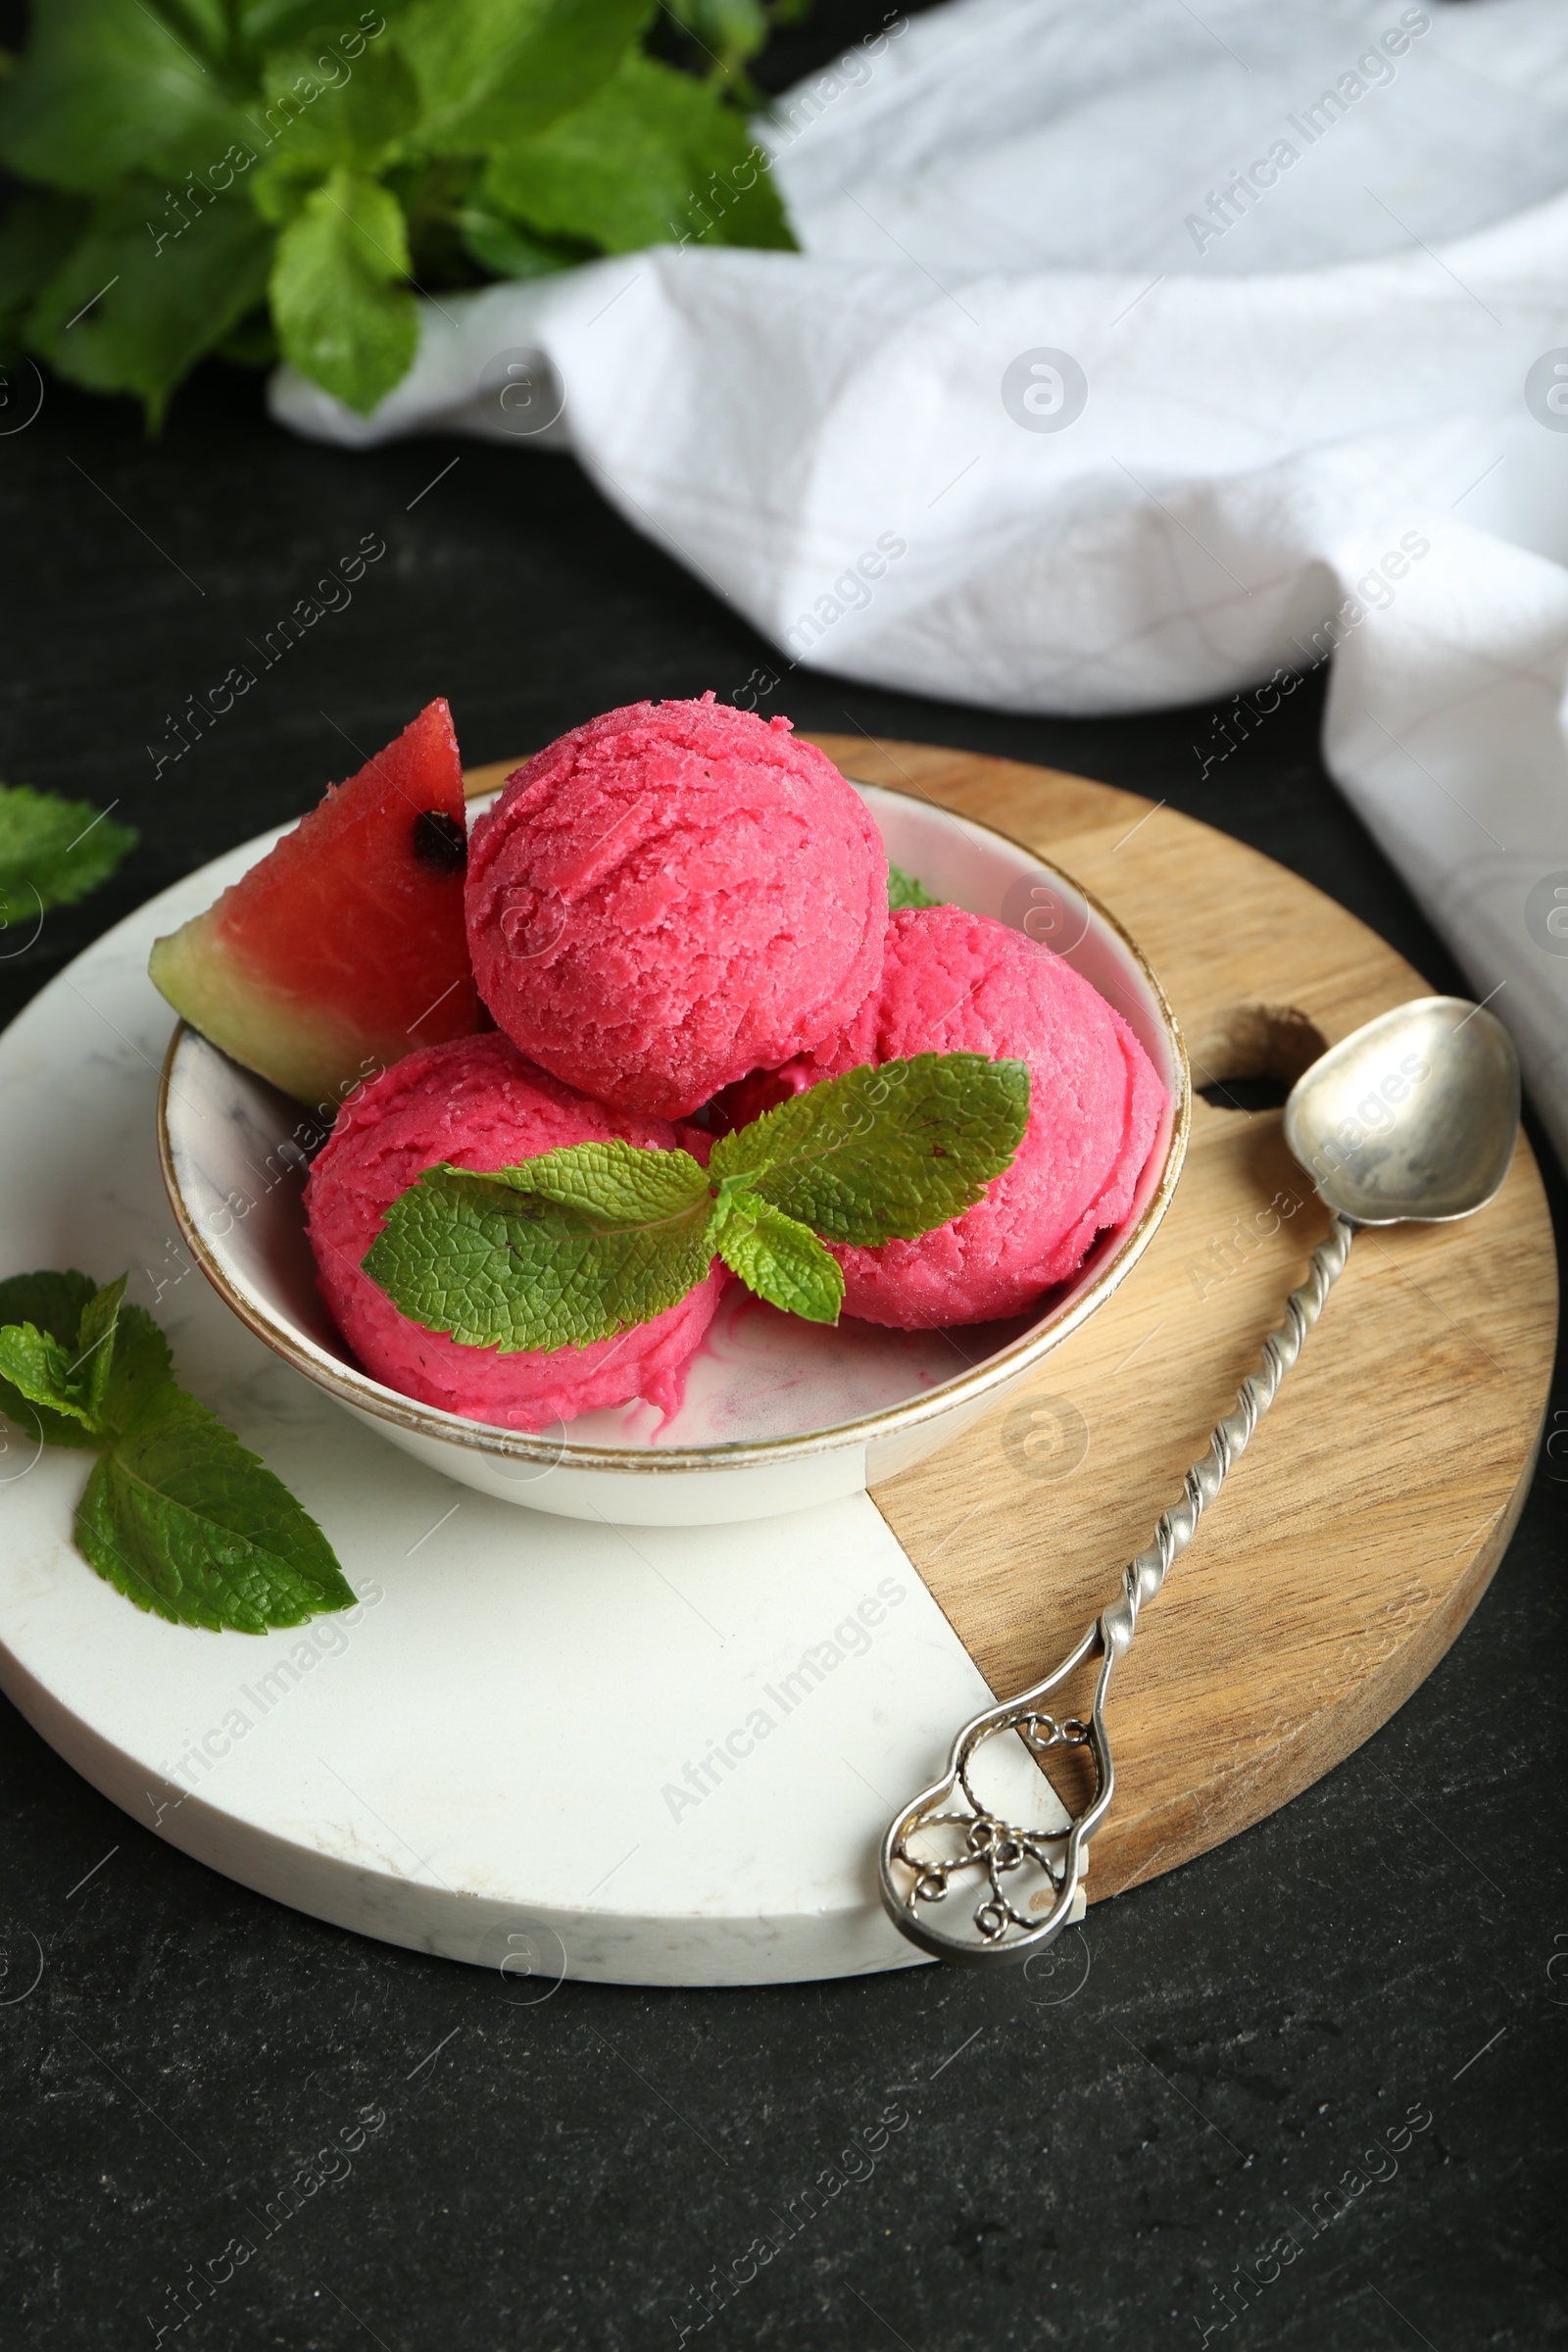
{"points": [[667, 1755]]}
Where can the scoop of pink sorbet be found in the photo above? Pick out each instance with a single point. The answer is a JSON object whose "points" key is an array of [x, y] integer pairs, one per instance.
{"points": [[962, 983], [476, 1104], [671, 895]]}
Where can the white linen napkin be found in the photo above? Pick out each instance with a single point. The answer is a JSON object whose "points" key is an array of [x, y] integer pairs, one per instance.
{"points": [[1135, 357]]}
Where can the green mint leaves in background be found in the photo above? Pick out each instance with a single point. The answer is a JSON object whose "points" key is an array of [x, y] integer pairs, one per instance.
{"points": [[338, 290], [177, 1514], [53, 851], [585, 1243], [905, 891], [264, 176]]}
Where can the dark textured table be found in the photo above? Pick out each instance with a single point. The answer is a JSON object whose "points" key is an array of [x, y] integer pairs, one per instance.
{"points": [[1310, 2088]]}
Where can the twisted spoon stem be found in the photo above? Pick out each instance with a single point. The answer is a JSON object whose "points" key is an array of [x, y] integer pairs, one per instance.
{"points": [[995, 1848], [1143, 1574]]}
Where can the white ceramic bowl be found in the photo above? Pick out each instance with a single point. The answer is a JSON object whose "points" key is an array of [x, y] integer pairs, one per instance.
{"points": [[779, 1415]]}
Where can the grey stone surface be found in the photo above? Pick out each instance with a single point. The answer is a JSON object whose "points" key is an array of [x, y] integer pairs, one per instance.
{"points": [[1091, 2158]]}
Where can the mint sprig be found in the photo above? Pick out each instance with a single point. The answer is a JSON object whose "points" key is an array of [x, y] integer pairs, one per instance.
{"points": [[177, 1514], [583, 1243]]}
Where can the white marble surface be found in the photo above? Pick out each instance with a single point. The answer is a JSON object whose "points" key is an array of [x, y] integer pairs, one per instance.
{"points": [[489, 1757]]}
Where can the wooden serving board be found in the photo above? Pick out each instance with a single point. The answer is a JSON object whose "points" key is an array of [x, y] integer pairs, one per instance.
{"points": [[1363, 1524]]}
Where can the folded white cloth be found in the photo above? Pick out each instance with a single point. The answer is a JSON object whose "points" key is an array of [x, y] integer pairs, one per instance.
{"points": [[1135, 354]]}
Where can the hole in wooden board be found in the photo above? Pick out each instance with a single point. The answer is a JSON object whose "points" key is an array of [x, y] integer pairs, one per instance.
{"points": [[1248, 1057], [1245, 1093]]}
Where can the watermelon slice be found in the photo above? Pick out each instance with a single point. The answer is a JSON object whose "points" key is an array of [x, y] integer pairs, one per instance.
{"points": [[345, 947]]}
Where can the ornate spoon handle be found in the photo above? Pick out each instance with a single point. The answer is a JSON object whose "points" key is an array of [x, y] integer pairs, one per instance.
{"points": [[963, 1834]]}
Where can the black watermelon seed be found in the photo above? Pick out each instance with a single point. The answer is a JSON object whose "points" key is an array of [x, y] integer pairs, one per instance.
{"points": [[440, 841]]}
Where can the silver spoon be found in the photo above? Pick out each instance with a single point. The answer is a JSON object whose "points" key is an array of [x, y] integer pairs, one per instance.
{"points": [[1413, 1117]]}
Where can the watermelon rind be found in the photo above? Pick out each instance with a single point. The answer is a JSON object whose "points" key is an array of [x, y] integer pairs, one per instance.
{"points": [[298, 1048]]}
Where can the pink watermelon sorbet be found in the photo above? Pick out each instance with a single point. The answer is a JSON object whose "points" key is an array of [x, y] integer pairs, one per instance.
{"points": [[671, 895], [475, 1103], [953, 983]]}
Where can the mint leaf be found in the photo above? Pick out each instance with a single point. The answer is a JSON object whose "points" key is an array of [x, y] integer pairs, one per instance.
{"points": [[506, 251], [268, 23], [777, 1257], [497, 70], [635, 166], [331, 113], [139, 299], [51, 1304], [96, 1336], [176, 1513], [123, 1359], [883, 1154], [613, 1179], [905, 891], [188, 1524], [203, 20], [567, 1248], [727, 32], [139, 1371], [37, 1367], [53, 851], [341, 316], [106, 88]]}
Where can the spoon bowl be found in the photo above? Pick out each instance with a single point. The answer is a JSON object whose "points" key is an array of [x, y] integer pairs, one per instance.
{"points": [[1413, 1117]]}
